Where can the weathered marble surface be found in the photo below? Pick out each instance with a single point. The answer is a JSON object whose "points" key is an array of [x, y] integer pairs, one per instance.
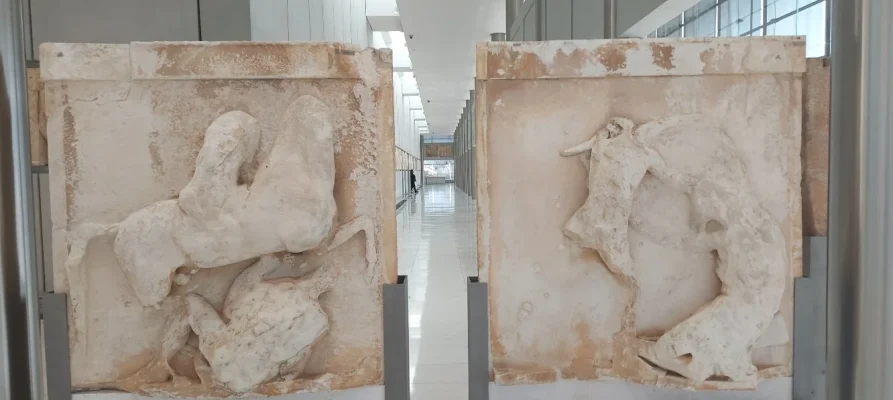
{"points": [[675, 240], [223, 214], [37, 118], [816, 134], [363, 393]]}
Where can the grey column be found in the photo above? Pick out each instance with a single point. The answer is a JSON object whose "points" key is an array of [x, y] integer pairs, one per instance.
{"points": [[395, 315], [465, 148], [471, 147], [471, 138], [860, 257], [610, 19], [20, 369], [468, 120], [464, 131], [478, 340], [458, 139], [421, 170], [459, 154], [224, 20], [462, 150], [512, 8], [467, 145], [464, 122]]}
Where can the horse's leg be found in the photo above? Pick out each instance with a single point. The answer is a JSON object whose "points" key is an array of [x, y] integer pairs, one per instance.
{"points": [[344, 232]]}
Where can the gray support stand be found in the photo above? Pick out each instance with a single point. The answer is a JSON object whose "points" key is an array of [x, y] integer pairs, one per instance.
{"points": [[396, 340], [478, 340], [54, 310], [810, 316], [20, 361]]}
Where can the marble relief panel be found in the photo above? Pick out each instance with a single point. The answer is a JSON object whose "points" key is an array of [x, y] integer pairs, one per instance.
{"points": [[640, 209], [223, 214]]}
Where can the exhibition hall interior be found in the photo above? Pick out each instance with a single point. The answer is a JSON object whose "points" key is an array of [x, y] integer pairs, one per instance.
{"points": [[446, 200]]}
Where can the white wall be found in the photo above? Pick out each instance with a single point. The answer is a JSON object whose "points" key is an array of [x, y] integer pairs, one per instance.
{"points": [[345, 21], [406, 133], [310, 20]]}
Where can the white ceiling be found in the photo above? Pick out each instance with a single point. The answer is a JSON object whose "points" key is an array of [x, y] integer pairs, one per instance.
{"points": [[441, 36]]}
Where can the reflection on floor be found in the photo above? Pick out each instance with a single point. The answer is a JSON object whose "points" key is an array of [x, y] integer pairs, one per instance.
{"points": [[436, 244]]}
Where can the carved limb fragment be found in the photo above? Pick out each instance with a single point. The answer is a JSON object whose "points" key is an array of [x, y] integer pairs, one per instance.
{"points": [[269, 330], [752, 264], [359, 224], [719, 338]]}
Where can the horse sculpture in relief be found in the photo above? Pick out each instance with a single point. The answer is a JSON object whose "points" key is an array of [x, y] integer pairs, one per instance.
{"points": [[752, 263], [266, 328]]}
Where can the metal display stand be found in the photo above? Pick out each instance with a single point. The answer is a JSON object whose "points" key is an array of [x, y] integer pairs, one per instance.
{"points": [[478, 340], [20, 361], [54, 311], [395, 300], [810, 303]]}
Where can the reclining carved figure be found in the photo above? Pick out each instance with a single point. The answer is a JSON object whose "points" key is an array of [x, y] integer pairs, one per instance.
{"points": [[266, 328], [718, 339]]}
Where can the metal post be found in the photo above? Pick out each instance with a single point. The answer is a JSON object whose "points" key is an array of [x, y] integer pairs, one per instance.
{"points": [[472, 138], [764, 17], [512, 9], [860, 280], [610, 19], [478, 340], [497, 37], [395, 302], [19, 326]]}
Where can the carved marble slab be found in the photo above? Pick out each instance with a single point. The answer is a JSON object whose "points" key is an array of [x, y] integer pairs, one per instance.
{"points": [[36, 118], [640, 209], [816, 135], [223, 214]]}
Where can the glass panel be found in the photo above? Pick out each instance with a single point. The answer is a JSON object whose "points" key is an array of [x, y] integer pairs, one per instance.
{"points": [[777, 9], [670, 29], [691, 14], [707, 22], [811, 23], [784, 27], [439, 169], [755, 19]]}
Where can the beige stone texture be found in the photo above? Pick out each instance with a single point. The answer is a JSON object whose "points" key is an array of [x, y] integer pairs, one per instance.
{"points": [[37, 118], [677, 238], [223, 214], [816, 133]]}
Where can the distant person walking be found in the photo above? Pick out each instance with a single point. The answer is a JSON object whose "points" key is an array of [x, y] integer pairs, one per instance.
{"points": [[412, 181]]}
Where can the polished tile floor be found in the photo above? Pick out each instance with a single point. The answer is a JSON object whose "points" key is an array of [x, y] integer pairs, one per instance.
{"points": [[436, 245]]}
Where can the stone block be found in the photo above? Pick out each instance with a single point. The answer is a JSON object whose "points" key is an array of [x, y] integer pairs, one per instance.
{"points": [[816, 135], [36, 118], [223, 214], [639, 209]]}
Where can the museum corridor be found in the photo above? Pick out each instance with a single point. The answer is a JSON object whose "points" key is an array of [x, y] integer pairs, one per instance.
{"points": [[436, 251]]}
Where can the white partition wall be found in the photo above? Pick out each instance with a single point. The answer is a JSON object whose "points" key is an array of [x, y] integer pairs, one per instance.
{"points": [[310, 20], [407, 105], [345, 21]]}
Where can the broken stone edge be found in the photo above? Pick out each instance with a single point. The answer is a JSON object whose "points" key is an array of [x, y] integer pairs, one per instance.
{"points": [[640, 57], [209, 60]]}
